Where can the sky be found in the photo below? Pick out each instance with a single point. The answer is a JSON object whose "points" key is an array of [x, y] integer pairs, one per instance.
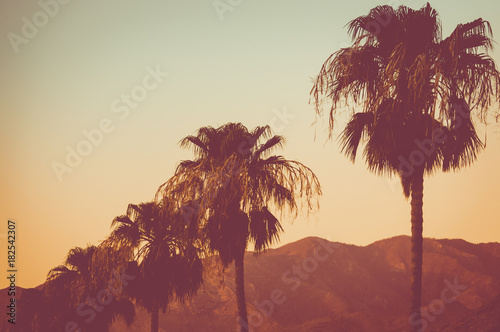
{"points": [[75, 151]]}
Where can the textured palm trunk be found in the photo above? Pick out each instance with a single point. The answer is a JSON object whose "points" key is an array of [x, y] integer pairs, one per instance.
{"points": [[240, 292], [417, 220], [154, 317]]}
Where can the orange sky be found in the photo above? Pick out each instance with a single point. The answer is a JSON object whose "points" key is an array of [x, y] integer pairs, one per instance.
{"points": [[254, 66]]}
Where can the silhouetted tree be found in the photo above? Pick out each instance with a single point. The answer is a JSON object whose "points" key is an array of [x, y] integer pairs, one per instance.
{"points": [[167, 258], [35, 312], [234, 184], [76, 297], [416, 94]]}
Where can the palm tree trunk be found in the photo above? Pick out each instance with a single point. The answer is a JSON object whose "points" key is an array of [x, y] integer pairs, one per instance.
{"points": [[417, 220], [154, 317], [240, 292]]}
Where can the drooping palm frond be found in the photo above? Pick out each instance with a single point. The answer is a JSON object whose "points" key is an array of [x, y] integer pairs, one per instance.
{"points": [[156, 237], [233, 184], [61, 270], [275, 142], [350, 73], [300, 184], [265, 229], [351, 136], [70, 285], [468, 73], [74, 276], [409, 105], [34, 309], [408, 76], [462, 144], [226, 233], [236, 178], [80, 258], [198, 146], [261, 132], [366, 26]]}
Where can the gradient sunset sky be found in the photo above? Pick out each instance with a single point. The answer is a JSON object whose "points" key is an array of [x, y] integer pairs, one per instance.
{"points": [[253, 66]]}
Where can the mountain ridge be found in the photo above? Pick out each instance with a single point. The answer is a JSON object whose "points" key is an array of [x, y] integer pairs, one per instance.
{"points": [[358, 288], [317, 285]]}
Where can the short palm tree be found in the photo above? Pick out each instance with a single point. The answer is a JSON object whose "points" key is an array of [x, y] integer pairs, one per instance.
{"points": [[235, 184], [167, 258], [37, 312], [417, 94], [70, 286]]}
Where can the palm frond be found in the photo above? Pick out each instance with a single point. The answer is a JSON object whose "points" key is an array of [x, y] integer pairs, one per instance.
{"points": [[265, 229], [409, 77], [266, 148], [351, 135]]}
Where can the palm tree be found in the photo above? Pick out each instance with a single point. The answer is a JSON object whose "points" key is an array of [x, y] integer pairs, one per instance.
{"points": [[74, 295], [417, 94], [37, 313], [167, 259], [233, 184]]}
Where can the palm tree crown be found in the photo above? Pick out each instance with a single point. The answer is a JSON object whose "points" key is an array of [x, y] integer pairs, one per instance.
{"points": [[71, 286], [168, 260], [232, 185], [412, 86], [233, 175], [417, 93]]}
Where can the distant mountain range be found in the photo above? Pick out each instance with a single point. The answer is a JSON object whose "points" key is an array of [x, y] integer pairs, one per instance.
{"points": [[314, 285]]}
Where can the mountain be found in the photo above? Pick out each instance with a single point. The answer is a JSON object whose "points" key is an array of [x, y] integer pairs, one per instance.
{"points": [[316, 285], [486, 319]]}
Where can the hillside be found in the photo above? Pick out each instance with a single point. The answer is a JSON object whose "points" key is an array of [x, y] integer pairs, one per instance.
{"points": [[350, 288], [485, 319], [316, 285]]}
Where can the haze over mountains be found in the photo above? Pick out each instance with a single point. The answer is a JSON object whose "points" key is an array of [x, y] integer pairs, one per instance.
{"points": [[317, 285], [341, 287]]}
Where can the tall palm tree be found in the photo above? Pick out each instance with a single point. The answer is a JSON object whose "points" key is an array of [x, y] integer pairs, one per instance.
{"points": [[416, 94], [69, 288], [167, 258], [234, 185]]}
